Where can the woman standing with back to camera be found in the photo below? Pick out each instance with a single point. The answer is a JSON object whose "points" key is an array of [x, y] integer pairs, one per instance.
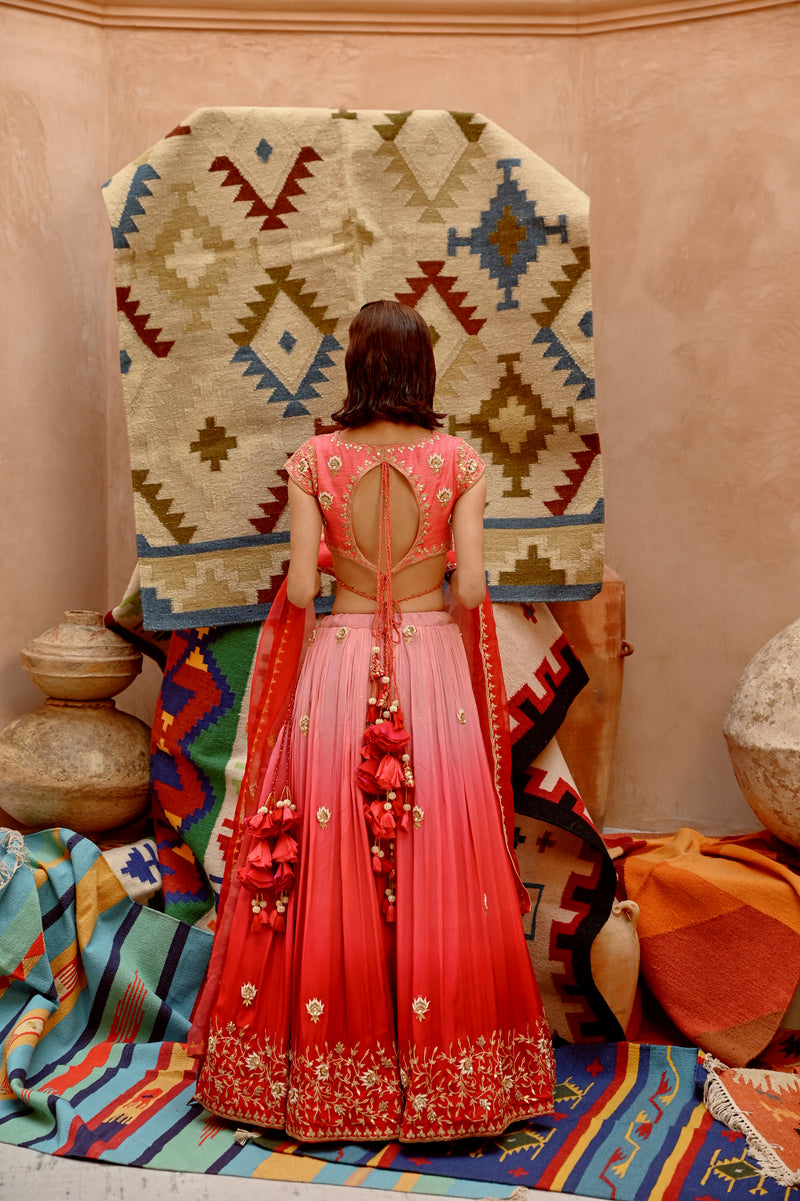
{"points": [[370, 977]]}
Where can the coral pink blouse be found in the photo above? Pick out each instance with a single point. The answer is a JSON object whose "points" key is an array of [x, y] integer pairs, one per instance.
{"points": [[439, 470]]}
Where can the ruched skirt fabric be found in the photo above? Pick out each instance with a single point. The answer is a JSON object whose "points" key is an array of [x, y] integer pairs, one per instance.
{"points": [[345, 1026]]}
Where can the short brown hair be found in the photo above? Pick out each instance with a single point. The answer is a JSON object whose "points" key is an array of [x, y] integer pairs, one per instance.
{"points": [[391, 373]]}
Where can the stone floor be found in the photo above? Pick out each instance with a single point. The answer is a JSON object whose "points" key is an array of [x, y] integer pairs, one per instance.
{"points": [[29, 1174]]}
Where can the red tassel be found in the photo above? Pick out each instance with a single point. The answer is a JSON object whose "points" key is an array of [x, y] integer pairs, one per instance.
{"points": [[285, 850], [390, 914], [259, 854], [257, 879], [284, 876]]}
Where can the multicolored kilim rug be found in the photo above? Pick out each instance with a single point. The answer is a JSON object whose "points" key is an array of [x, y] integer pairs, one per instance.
{"points": [[95, 996], [719, 931], [199, 746], [247, 239]]}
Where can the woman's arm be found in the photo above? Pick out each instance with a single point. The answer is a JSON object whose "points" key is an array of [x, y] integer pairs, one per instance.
{"points": [[302, 581], [468, 581]]}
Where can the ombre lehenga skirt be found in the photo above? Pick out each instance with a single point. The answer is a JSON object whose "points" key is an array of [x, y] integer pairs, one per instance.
{"points": [[344, 1025]]}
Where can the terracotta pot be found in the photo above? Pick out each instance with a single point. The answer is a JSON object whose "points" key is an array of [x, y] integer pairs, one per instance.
{"points": [[80, 660], [82, 765], [615, 960]]}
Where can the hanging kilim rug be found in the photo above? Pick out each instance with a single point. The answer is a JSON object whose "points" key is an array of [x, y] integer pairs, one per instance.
{"points": [[95, 997], [244, 243]]}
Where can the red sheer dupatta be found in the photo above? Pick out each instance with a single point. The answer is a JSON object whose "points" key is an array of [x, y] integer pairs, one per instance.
{"points": [[479, 637], [279, 657]]}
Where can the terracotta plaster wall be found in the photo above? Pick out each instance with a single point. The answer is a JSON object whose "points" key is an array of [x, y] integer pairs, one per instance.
{"points": [[685, 138], [53, 317], [692, 157]]}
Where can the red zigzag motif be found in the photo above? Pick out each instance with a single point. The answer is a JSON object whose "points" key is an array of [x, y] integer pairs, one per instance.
{"points": [[272, 508], [541, 701], [443, 284], [568, 492], [139, 322], [248, 195]]}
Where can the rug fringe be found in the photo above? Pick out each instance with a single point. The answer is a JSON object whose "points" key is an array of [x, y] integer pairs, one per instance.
{"points": [[12, 846], [721, 1107]]}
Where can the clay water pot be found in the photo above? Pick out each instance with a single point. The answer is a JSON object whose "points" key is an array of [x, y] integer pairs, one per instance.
{"points": [[615, 960], [78, 762], [80, 660]]}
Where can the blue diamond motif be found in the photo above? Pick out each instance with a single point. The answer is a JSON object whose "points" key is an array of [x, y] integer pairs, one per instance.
{"points": [[287, 341], [509, 234], [264, 150], [267, 378], [586, 324]]}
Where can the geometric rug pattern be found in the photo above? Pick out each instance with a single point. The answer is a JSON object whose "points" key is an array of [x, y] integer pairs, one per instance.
{"points": [[244, 243], [95, 1000], [198, 751]]}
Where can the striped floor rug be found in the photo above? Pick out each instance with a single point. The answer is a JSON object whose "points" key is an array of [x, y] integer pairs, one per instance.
{"points": [[95, 996]]}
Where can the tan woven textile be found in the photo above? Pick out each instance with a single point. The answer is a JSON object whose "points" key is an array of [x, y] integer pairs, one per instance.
{"points": [[246, 240]]}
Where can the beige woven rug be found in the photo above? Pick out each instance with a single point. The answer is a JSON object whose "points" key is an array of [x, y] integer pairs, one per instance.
{"points": [[246, 240]]}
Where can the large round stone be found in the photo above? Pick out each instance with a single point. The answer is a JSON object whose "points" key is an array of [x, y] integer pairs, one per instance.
{"points": [[762, 729]]}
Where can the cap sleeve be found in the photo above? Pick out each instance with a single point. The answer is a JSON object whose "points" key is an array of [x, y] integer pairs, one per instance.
{"points": [[470, 468], [302, 467]]}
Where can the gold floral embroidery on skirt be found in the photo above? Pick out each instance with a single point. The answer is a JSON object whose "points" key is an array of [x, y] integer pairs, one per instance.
{"points": [[472, 1085], [502, 1076]]}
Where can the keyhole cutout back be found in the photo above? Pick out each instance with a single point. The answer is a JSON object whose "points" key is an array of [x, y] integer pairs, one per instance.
{"points": [[404, 511]]}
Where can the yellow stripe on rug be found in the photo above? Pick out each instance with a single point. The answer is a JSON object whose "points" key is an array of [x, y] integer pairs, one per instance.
{"points": [[598, 1119]]}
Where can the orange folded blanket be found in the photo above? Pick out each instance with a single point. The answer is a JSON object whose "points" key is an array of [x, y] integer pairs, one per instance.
{"points": [[720, 934]]}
